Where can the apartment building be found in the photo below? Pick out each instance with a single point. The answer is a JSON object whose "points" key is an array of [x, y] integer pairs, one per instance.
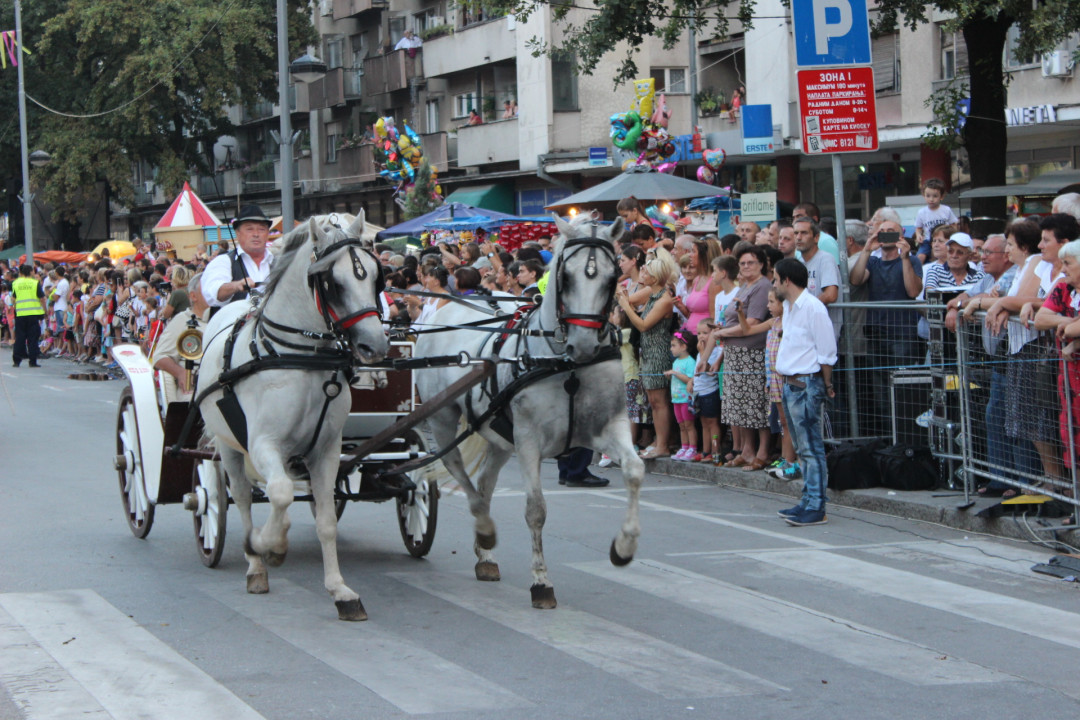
{"points": [[471, 61]]}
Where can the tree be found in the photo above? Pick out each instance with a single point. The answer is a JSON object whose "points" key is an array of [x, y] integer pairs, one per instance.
{"points": [[984, 24], [422, 197], [136, 81]]}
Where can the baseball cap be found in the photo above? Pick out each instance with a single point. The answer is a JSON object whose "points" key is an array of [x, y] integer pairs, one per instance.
{"points": [[962, 239]]}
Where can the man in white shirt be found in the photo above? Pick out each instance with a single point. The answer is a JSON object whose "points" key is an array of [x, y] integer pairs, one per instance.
{"points": [[408, 42], [233, 275], [804, 360]]}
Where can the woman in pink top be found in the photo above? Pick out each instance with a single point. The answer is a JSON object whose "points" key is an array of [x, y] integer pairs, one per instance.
{"points": [[695, 305]]}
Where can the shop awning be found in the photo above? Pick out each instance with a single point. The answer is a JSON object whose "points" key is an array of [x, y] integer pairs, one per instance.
{"points": [[497, 197], [1054, 182]]}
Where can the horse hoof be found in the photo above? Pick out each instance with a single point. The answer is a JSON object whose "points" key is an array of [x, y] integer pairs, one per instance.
{"points": [[618, 560], [274, 559], [543, 597], [485, 542], [351, 610], [258, 584], [487, 571]]}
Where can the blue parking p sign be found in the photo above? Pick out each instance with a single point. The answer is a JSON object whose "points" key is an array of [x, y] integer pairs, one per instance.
{"points": [[831, 32]]}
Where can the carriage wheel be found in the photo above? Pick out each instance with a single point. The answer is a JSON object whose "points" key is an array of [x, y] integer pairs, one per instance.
{"points": [[138, 511], [418, 513], [212, 495]]}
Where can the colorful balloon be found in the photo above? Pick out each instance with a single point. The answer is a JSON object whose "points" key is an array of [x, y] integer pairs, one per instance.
{"points": [[706, 175], [714, 158]]}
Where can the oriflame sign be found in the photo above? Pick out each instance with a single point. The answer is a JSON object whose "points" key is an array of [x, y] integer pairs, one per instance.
{"points": [[837, 110]]}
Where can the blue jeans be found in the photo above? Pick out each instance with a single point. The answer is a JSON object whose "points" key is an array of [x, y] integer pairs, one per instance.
{"points": [[803, 407]]}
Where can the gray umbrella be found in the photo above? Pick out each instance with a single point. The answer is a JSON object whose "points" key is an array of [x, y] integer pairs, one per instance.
{"points": [[642, 183]]}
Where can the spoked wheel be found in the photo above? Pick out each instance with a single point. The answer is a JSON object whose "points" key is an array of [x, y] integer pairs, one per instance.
{"points": [[138, 511], [212, 504], [418, 513]]}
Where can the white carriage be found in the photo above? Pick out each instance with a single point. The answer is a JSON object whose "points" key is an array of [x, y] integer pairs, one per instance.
{"points": [[153, 472]]}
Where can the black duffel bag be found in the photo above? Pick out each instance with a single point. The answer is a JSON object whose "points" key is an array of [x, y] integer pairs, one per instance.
{"points": [[908, 467], [852, 465]]}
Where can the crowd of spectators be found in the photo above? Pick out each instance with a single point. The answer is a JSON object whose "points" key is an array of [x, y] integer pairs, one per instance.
{"points": [[700, 323]]}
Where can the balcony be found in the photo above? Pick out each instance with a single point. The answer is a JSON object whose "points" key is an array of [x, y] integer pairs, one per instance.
{"points": [[352, 8], [328, 91], [262, 176], [470, 47], [392, 71], [354, 83], [259, 111], [492, 142]]}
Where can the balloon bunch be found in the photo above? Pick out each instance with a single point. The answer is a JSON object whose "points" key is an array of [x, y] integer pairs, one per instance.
{"points": [[397, 156], [714, 160], [643, 129]]}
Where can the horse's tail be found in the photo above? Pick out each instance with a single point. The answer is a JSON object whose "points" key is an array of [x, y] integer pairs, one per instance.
{"points": [[473, 451]]}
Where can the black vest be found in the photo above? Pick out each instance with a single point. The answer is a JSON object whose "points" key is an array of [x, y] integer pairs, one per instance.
{"points": [[239, 272]]}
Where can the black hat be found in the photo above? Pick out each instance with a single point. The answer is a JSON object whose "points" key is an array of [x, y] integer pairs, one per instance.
{"points": [[251, 213]]}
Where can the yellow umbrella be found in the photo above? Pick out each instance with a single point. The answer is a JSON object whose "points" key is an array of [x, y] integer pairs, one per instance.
{"points": [[117, 249]]}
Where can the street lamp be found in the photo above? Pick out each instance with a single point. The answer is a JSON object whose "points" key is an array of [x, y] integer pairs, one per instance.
{"points": [[27, 198], [306, 66]]}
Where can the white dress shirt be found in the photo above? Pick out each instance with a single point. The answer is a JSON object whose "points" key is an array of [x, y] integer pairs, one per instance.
{"points": [[807, 342], [219, 271]]}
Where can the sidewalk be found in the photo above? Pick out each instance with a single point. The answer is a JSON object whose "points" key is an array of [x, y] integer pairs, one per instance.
{"points": [[935, 506]]}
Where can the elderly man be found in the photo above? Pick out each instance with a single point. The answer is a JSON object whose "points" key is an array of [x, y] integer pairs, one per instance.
{"points": [[166, 357], [233, 275], [891, 334], [1069, 203]]}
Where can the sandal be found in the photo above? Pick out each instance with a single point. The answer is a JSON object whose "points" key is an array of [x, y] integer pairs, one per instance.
{"points": [[756, 464], [739, 461], [651, 454]]}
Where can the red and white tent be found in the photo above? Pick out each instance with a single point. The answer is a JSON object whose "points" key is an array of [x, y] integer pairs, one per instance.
{"points": [[187, 211]]}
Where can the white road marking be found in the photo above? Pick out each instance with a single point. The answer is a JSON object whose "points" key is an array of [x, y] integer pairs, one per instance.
{"points": [[38, 685], [127, 671], [655, 665], [614, 490], [851, 642], [411, 678], [50, 387], [869, 546], [1022, 616]]}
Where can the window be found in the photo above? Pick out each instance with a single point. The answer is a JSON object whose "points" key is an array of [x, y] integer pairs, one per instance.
{"points": [[1012, 59], [397, 30], [564, 82], [954, 57], [669, 80], [335, 48], [331, 148], [432, 116], [464, 103], [886, 56]]}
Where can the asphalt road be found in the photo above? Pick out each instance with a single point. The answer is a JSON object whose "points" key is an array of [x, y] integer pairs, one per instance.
{"points": [[726, 612]]}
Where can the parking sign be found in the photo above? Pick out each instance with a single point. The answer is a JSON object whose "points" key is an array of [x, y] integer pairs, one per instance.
{"points": [[831, 32]]}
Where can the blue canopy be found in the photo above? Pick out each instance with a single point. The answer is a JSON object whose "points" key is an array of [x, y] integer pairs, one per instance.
{"points": [[418, 224]]}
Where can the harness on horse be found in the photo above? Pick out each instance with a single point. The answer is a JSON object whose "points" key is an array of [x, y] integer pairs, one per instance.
{"points": [[335, 358]]}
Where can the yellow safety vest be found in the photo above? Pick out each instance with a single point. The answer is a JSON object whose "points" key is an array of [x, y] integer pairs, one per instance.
{"points": [[26, 297]]}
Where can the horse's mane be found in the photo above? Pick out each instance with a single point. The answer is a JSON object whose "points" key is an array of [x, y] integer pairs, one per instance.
{"points": [[293, 242]]}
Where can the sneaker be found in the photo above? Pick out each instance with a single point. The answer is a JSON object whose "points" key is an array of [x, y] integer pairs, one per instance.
{"points": [[791, 472], [807, 517], [777, 468], [694, 456], [709, 459], [684, 454], [790, 512], [605, 461]]}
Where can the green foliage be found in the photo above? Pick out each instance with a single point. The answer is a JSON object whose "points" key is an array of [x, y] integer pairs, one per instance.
{"points": [[436, 31], [946, 134], [156, 77], [422, 198]]}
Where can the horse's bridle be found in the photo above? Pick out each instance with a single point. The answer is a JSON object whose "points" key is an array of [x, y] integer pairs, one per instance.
{"points": [[570, 247]]}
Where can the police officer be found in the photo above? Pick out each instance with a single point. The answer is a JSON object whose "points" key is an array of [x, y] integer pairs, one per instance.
{"points": [[29, 312], [233, 275]]}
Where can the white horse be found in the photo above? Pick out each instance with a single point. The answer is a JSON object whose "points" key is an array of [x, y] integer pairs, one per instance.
{"points": [[547, 417], [320, 316]]}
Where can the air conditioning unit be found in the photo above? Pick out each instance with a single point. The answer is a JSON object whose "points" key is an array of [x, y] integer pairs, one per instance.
{"points": [[326, 7], [1056, 64]]}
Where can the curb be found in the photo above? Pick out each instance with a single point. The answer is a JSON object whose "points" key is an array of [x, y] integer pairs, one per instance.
{"points": [[909, 505]]}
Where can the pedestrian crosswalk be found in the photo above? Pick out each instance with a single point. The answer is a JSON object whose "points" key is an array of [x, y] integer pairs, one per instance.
{"points": [[72, 654]]}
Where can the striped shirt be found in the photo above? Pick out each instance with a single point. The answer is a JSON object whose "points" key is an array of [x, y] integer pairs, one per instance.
{"points": [[939, 276]]}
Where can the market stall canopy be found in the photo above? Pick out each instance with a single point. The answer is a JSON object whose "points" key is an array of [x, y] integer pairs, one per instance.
{"points": [[188, 210], [1054, 182], [644, 184], [497, 197], [17, 253], [416, 226]]}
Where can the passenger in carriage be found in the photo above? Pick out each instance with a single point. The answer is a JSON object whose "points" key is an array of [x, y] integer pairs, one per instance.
{"points": [[166, 357]]}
